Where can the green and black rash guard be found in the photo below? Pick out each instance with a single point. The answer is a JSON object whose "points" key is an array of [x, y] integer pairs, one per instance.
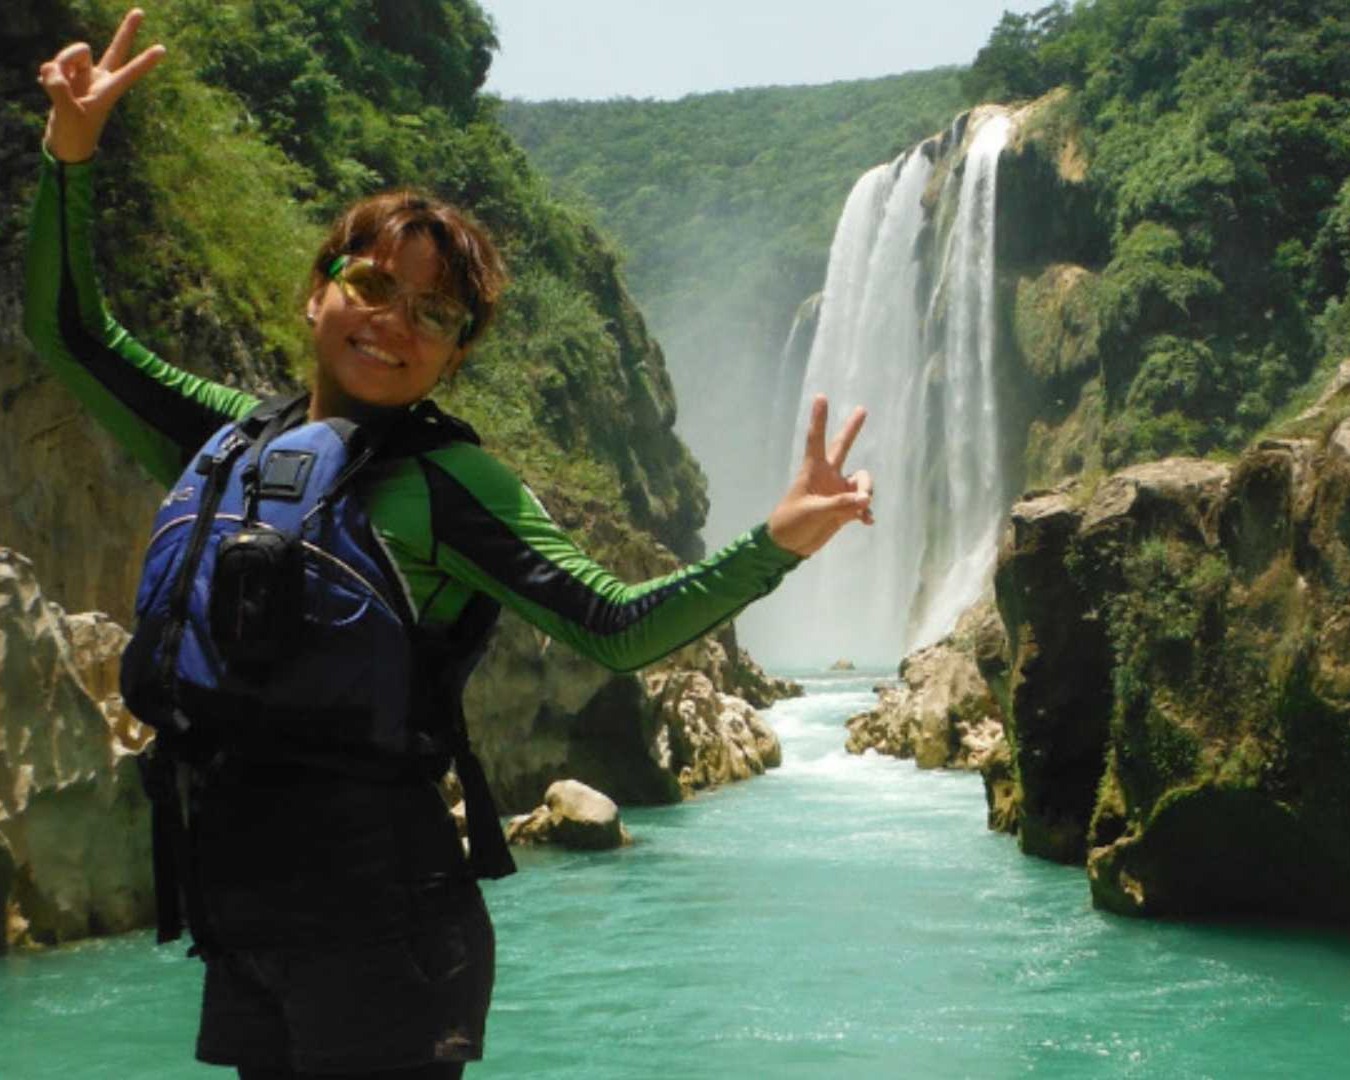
{"points": [[454, 522]]}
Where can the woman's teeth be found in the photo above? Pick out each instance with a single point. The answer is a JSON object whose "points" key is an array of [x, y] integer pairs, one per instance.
{"points": [[376, 353]]}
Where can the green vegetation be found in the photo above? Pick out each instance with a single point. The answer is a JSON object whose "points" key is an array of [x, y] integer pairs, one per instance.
{"points": [[1218, 137], [220, 173], [725, 203]]}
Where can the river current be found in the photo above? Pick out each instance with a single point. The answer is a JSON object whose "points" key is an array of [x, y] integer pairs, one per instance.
{"points": [[840, 917]]}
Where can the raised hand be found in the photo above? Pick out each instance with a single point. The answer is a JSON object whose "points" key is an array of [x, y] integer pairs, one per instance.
{"points": [[83, 93], [822, 500]]}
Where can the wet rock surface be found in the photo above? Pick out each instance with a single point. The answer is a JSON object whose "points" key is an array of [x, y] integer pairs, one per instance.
{"points": [[942, 713]]}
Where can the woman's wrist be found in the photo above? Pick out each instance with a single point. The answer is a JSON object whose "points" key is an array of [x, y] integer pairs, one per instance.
{"points": [[67, 149]]}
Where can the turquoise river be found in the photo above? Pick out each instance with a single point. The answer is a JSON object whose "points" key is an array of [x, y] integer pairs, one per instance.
{"points": [[840, 917]]}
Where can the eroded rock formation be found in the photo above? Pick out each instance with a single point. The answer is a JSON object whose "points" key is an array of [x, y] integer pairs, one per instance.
{"points": [[539, 712], [573, 815]]}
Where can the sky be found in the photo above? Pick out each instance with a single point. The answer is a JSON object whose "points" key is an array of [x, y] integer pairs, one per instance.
{"points": [[598, 49]]}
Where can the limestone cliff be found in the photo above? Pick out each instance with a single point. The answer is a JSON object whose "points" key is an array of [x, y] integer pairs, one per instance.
{"points": [[1050, 247], [74, 825], [1180, 709]]}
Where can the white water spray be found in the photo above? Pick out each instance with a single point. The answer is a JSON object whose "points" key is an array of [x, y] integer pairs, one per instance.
{"points": [[907, 328]]}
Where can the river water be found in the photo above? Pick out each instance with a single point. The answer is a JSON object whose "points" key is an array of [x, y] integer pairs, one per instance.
{"points": [[840, 917]]}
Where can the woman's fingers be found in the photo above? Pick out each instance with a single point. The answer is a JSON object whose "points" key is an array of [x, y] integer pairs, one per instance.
{"points": [[75, 63], [843, 442], [815, 428], [862, 484], [120, 81], [846, 505], [115, 55], [77, 54]]}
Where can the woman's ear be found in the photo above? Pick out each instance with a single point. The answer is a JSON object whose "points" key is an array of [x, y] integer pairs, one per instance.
{"points": [[312, 309]]}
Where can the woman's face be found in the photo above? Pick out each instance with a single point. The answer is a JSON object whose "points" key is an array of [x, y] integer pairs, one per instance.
{"points": [[374, 357]]}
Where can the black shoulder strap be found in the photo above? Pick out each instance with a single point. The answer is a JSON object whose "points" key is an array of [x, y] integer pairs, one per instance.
{"points": [[251, 424], [428, 428], [275, 415]]}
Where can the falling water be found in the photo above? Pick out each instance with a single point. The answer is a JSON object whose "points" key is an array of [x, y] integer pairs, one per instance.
{"points": [[906, 328]]}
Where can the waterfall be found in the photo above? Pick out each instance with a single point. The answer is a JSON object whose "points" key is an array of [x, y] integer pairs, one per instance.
{"points": [[906, 328]]}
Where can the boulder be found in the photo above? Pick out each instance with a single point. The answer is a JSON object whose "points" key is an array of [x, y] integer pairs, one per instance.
{"points": [[573, 815]]}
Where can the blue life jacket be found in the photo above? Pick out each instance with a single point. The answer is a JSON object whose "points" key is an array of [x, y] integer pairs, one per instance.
{"points": [[267, 613], [271, 623]]}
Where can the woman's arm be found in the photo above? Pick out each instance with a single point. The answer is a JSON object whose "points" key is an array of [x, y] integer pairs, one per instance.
{"points": [[485, 531], [160, 413]]}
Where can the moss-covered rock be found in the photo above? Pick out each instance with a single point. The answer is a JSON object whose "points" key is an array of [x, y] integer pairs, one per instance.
{"points": [[1181, 681]]}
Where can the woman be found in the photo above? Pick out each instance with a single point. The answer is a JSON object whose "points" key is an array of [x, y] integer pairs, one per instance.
{"points": [[341, 930]]}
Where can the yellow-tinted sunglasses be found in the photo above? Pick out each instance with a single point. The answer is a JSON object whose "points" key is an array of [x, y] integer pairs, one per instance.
{"points": [[433, 315]]}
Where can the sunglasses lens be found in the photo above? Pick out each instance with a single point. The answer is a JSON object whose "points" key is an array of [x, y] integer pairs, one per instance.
{"points": [[368, 285], [438, 318]]}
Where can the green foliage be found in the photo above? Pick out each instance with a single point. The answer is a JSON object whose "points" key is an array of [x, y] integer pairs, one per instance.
{"points": [[347, 88], [1164, 625], [1148, 285], [1172, 597], [1023, 58], [1219, 141]]}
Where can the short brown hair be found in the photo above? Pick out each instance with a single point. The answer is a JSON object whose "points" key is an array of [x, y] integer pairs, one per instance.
{"points": [[471, 267]]}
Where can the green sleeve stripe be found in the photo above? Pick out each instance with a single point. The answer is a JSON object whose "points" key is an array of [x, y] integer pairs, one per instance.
{"points": [[159, 413]]}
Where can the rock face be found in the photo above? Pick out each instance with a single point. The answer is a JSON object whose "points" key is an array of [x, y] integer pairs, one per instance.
{"points": [[1180, 699], [704, 738], [74, 825], [539, 713], [572, 816], [943, 714]]}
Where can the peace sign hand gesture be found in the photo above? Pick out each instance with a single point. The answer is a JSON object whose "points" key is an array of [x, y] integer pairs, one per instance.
{"points": [[822, 500], [83, 93]]}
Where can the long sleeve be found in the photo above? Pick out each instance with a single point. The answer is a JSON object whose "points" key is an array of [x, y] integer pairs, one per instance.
{"points": [[160, 413], [468, 521]]}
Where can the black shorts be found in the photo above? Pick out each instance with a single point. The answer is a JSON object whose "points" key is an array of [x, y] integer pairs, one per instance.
{"points": [[354, 1008]]}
